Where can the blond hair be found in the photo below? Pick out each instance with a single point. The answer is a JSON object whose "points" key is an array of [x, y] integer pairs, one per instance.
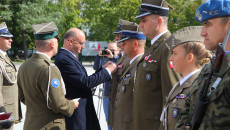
{"points": [[202, 55]]}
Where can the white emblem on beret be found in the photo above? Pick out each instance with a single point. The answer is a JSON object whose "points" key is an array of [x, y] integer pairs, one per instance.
{"points": [[198, 15], [213, 12], [204, 11]]}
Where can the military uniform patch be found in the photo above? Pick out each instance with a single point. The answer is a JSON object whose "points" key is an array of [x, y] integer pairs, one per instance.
{"points": [[148, 76], [55, 83], [175, 113]]}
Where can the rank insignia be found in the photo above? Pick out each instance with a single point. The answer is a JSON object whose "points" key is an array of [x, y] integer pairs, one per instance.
{"points": [[55, 83], [175, 113], [148, 76], [120, 66]]}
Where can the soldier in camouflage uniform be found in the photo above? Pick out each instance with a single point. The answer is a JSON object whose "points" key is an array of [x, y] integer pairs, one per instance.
{"points": [[215, 15]]}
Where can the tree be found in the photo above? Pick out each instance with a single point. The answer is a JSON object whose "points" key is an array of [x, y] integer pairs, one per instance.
{"points": [[183, 14], [102, 16]]}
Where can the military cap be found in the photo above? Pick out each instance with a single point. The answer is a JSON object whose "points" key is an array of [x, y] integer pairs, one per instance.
{"points": [[120, 23], [159, 7], [45, 31], [187, 34], [131, 31], [213, 9], [4, 32]]}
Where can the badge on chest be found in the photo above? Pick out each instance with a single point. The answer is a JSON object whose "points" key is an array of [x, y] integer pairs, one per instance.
{"points": [[175, 112]]}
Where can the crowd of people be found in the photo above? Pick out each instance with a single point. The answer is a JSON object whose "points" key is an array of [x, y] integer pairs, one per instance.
{"points": [[179, 81]]}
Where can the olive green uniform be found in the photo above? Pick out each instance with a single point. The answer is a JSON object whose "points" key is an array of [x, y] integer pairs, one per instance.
{"points": [[34, 83], [123, 107], [10, 88], [176, 100], [154, 80], [122, 64], [217, 114]]}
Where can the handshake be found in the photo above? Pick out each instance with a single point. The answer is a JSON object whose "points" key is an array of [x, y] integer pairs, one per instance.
{"points": [[111, 66]]}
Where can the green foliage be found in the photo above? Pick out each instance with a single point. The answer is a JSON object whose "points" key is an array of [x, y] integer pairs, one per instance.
{"points": [[70, 10], [98, 17], [102, 16], [183, 14]]}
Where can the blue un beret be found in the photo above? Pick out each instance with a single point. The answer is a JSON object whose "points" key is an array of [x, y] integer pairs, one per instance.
{"points": [[213, 9]]}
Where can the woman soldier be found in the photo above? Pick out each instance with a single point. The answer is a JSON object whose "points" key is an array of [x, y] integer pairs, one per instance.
{"points": [[188, 57]]}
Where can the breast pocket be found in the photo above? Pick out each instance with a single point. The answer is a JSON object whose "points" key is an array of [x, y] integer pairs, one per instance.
{"points": [[149, 72], [11, 73], [126, 85]]}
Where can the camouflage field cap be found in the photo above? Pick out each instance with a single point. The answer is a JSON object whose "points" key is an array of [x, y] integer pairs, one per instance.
{"points": [[160, 7], [120, 23], [45, 31], [187, 34], [131, 31], [4, 32], [213, 9]]}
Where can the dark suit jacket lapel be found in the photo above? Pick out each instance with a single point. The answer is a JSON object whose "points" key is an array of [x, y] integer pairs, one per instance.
{"points": [[68, 54]]}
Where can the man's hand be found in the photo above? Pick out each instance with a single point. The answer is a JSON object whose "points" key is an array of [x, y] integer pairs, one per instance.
{"points": [[111, 66], [76, 101], [110, 55]]}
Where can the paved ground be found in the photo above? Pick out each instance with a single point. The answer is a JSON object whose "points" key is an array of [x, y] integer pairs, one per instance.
{"points": [[97, 102]]}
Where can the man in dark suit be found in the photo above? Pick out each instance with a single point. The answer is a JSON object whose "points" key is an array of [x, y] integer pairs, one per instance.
{"points": [[78, 83]]}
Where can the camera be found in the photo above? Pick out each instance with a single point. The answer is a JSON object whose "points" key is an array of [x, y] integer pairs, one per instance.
{"points": [[104, 52]]}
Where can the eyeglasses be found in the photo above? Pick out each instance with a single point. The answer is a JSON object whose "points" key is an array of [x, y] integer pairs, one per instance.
{"points": [[58, 38], [81, 43]]}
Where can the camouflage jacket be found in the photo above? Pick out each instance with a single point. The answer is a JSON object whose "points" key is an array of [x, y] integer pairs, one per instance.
{"points": [[217, 114]]}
